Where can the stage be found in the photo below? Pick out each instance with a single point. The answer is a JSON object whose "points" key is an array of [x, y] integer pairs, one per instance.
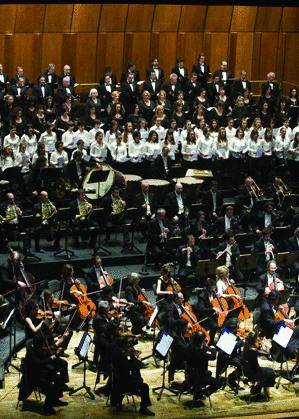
{"points": [[284, 402]]}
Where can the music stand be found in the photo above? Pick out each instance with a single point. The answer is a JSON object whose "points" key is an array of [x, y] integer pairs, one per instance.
{"points": [[11, 320], [247, 262], [98, 176], [206, 267], [131, 214], [82, 352], [30, 222], [162, 347], [51, 174], [64, 215], [96, 215]]}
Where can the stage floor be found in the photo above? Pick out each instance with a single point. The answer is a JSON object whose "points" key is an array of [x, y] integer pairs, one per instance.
{"points": [[284, 401]]}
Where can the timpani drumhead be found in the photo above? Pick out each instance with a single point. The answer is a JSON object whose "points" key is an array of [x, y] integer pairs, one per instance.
{"points": [[96, 190]]}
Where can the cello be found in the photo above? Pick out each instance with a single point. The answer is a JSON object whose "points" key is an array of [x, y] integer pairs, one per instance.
{"points": [[220, 303], [86, 307], [190, 317], [237, 302]]}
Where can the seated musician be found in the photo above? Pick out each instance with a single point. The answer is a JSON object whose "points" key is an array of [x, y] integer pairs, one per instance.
{"points": [[223, 282], [228, 222], [158, 234], [97, 277], [162, 166], [213, 201], [166, 285], [188, 256], [266, 219], [127, 378], [145, 203], [99, 323], [228, 253], [82, 222], [46, 211], [76, 169], [43, 368], [264, 376], [10, 213], [269, 281], [115, 207], [116, 305], [32, 323], [205, 310], [136, 313], [11, 278], [265, 249], [176, 203], [199, 378]]}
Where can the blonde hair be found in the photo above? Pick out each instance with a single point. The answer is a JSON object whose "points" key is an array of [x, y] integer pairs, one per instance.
{"points": [[222, 272]]}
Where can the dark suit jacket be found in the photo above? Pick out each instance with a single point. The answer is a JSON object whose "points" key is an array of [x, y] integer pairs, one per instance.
{"points": [[125, 73], [129, 96], [237, 88], [147, 85], [71, 76], [54, 81], [275, 91], [181, 79], [154, 232], [208, 202], [259, 249], [234, 225], [202, 76], [140, 201], [293, 244], [182, 256], [3, 86], [212, 92], [61, 91], [105, 95], [171, 204], [263, 283], [15, 80], [161, 73], [172, 94], [71, 171], [235, 253], [267, 320], [159, 169], [191, 91], [37, 92]]}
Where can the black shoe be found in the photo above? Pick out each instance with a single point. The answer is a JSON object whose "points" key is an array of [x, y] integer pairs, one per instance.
{"points": [[102, 390], [60, 403], [49, 410], [146, 412], [92, 367]]}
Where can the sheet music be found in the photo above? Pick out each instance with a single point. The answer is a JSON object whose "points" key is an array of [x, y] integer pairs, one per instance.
{"points": [[164, 344], [83, 348], [227, 342], [283, 335], [8, 318], [153, 316]]}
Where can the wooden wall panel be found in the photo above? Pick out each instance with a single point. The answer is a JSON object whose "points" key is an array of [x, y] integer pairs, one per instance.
{"points": [[140, 17], [291, 58], [137, 49], [290, 19], [85, 57], [110, 52], [192, 18], [52, 51], [161, 42], [243, 19], [7, 18], [268, 19], [113, 18], [244, 51], [30, 18], [268, 57], [218, 18], [189, 46], [86, 17], [219, 49], [166, 18], [58, 18]]}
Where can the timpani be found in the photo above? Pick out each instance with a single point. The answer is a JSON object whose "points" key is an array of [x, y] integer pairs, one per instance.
{"points": [[160, 188], [132, 189]]}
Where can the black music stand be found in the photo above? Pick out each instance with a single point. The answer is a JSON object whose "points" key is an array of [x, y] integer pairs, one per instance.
{"points": [[164, 356], [29, 224], [97, 215], [131, 214], [64, 215], [11, 321], [98, 176], [82, 352], [51, 174], [206, 267], [247, 262]]}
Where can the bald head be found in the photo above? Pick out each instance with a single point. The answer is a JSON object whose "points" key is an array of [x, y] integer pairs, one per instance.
{"points": [[178, 188], [144, 186]]}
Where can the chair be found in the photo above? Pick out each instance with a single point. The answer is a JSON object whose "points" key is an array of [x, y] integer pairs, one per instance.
{"points": [[203, 389], [127, 395]]}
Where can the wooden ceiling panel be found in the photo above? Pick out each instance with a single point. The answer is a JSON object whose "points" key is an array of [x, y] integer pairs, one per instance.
{"points": [[140, 18], [86, 17], [58, 18], [218, 18], [192, 18], [166, 18], [7, 18], [30, 18], [52, 51], [113, 17], [268, 19], [243, 19], [290, 19]]}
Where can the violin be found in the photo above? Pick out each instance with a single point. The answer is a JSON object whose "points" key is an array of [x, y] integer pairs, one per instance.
{"points": [[44, 314], [86, 307], [189, 315], [56, 303], [237, 302]]}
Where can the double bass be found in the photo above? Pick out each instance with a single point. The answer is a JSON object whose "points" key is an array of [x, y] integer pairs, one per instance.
{"points": [[86, 307], [190, 317]]}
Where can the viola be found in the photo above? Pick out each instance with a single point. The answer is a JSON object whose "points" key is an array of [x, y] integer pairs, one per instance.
{"points": [[237, 302], [86, 307], [189, 315], [108, 279]]}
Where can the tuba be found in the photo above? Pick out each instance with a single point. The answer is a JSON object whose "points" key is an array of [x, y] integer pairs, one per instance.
{"points": [[118, 206]]}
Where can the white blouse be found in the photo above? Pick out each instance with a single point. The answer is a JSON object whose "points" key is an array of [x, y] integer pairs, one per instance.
{"points": [[255, 149], [136, 151], [31, 143], [238, 147], [267, 147], [151, 150], [98, 151], [189, 151], [119, 152], [69, 139], [48, 140], [206, 148], [12, 142], [59, 159]]}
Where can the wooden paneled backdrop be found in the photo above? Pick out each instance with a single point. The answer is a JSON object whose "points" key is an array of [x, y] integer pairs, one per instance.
{"points": [[92, 36]]}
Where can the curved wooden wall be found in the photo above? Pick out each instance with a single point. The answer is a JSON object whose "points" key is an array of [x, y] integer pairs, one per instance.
{"points": [[92, 36]]}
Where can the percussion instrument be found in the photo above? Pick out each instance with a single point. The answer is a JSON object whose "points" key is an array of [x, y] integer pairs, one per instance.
{"points": [[157, 182], [98, 189], [188, 180]]}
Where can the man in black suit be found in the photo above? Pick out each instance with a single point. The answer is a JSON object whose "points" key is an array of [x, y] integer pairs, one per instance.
{"points": [[228, 222], [213, 89], [41, 90], [192, 87], [225, 76], [129, 93], [158, 234], [180, 71], [20, 74], [265, 249], [131, 69], [105, 90], [176, 202], [172, 88], [51, 78], [188, 255], [67, 73], [65, 89], [94, 276], [228, 253], [19, 91], [4, 80], [152, 85], [266, 218], [76, 169], [213, 201], [145, 202], [293, 244], [239, 86], [269, 281], [158, 70], [108, 72], [163, 165], [272, 84], [202, 70]]}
